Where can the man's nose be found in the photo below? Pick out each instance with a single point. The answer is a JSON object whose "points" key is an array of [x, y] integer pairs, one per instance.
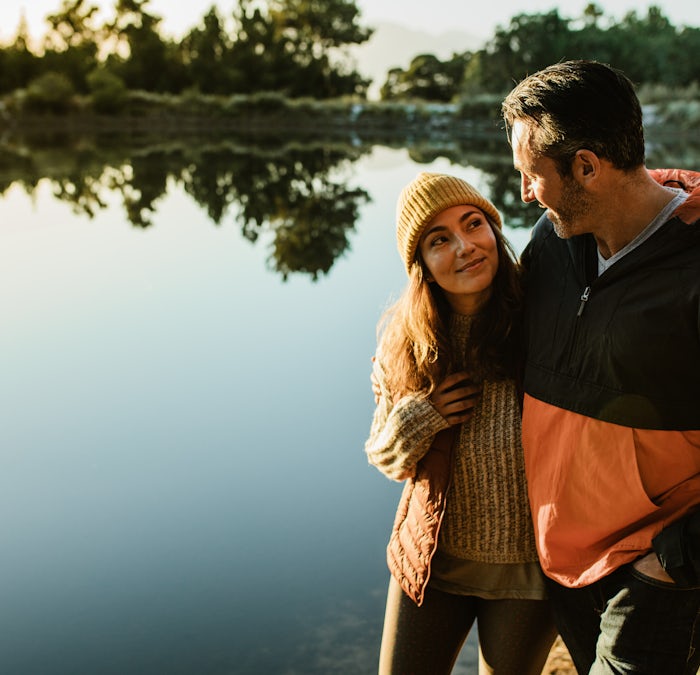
{"points": [[526, 190]]}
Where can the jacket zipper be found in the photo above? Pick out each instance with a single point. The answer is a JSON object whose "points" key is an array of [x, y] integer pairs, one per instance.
{"points": [[573, 346], [584, 300]]}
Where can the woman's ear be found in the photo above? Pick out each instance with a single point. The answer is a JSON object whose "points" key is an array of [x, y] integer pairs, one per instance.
{"points": [[423, 274]]}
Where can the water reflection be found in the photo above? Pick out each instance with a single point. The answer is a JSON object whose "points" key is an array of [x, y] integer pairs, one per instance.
{"points": [[300, 193]]}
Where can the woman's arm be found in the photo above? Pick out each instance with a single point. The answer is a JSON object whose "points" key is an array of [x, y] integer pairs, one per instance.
{"points": [[402, 432]]}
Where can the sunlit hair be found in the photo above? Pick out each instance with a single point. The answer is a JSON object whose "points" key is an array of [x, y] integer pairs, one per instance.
{"points": [[413, 333], [578, 105]]}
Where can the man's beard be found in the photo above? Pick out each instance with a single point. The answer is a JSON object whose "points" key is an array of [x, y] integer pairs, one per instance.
{"points": [[574, 205]]}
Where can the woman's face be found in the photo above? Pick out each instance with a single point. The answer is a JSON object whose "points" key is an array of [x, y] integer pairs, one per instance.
{"points": [[459, 250]]}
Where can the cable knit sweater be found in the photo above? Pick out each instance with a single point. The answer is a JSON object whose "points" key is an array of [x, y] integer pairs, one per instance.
{"points": [[487, 517]]}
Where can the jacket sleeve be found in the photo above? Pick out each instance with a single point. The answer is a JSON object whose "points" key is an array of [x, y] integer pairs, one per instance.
{"points": [[401, 432], [678, 549]]}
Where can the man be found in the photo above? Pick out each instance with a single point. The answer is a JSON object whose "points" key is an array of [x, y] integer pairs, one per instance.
{"points": [[611, 416]]}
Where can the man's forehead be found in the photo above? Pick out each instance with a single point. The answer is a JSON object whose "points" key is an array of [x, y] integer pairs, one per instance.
{"points": [[521, 141], [521, 134]]}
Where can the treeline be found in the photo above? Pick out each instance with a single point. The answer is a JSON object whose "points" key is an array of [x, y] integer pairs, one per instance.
{"points": [[649, 49], [303, 49], [293, 47]]}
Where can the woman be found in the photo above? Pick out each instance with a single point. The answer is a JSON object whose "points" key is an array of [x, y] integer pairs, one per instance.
{"points": [[448, 421]]}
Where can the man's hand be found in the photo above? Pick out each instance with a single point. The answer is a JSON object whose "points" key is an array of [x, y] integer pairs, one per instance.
{"points": [[650, 566]]}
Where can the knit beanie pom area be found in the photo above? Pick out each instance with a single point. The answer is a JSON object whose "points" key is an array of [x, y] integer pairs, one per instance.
{"points": [[424, 198]]}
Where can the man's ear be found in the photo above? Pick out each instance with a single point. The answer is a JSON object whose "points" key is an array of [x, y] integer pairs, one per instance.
{"points": [[586, 166]]}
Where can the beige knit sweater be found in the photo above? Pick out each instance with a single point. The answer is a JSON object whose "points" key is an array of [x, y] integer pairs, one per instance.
{"points": [[487, 517]]}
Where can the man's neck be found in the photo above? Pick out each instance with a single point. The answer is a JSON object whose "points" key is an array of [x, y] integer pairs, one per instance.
{"points": [[632, 204]]}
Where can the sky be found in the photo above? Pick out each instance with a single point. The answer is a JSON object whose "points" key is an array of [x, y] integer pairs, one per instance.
{"points": [[434, 16]]}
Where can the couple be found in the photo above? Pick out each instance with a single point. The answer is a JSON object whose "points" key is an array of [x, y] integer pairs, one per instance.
{"points": [[595, 340]]}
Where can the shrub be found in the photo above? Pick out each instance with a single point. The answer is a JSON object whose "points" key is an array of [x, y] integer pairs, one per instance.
{"points": [[51, 92], [108, 91]]}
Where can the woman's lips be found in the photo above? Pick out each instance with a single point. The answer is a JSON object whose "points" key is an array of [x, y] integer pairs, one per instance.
{"points": [[471, 265]]}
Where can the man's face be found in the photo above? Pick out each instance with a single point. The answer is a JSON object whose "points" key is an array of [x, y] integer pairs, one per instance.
{"points": [[567, 203]]}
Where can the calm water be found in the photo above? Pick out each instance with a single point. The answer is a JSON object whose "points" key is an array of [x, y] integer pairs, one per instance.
{"points": [[183, 485]]}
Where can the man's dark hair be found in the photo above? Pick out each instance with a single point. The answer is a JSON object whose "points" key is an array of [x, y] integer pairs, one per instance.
{"points": [[578, 105]]}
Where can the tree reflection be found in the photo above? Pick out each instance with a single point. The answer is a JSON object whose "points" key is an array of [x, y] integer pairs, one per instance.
{"points": [[313, 232], [295, 195], [298, 194]]}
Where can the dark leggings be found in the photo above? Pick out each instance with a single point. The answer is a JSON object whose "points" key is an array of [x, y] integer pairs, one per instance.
{"points": [[515, 636]]}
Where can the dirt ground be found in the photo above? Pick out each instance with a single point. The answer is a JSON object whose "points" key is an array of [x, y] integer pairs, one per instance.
{"points": [[559, 661]]}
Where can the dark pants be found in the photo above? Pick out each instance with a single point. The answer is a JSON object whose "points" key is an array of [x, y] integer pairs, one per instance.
{"points": [[628, 623], [514, 635]]}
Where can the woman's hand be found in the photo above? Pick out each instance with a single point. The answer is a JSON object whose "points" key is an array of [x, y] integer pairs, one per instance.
{"points": [[455, 397]]}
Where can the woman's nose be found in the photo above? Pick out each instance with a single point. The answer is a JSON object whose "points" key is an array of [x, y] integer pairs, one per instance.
{"points": [[464, 245]]}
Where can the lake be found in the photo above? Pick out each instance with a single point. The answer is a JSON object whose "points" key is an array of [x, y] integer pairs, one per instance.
{"points": [[184, 366]]}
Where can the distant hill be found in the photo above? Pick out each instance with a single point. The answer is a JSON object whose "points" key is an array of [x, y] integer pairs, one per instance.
{"points": [[394, 46]]}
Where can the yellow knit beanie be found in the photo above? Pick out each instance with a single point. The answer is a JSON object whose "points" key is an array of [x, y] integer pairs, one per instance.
{"points": [[426, 196]]}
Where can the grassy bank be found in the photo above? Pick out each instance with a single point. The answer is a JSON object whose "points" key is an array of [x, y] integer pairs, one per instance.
{"points": [[256, 114]]}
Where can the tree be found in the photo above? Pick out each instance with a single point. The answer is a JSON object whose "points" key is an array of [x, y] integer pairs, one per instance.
{"points": [[687, 48], [73, 25], [592, 14], [259, 59], [71, 44], [315, 35], [18, 65], [645, 46], [427, 78], [150, 63], [529, 43], [297, 48], [205, 54]]}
